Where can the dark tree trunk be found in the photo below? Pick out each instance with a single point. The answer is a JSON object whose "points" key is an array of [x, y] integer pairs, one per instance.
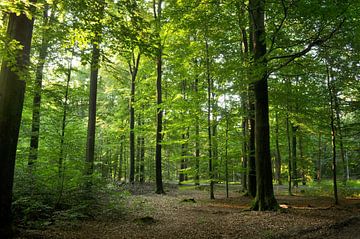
{"points": [[252, 161], [133, 67], [90, 146], [278, 155], [121, 157], [62, 137], [158, 158], [197, 139], [210, 149], [265, 199], [294, 156], [12, 89], [35, 126], [251, 113], [333, 134], [318, 163], [289, 155]]}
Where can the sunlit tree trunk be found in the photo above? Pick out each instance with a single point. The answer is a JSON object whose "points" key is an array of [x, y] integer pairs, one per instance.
{"points": [[209, 125], [12, 90], [159, 183]]}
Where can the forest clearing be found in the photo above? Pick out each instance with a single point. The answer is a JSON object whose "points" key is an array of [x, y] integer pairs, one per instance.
{"points": [[187, 212]]}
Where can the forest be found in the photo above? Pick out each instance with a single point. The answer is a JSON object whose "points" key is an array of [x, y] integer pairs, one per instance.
{"points": [[179, 119]]}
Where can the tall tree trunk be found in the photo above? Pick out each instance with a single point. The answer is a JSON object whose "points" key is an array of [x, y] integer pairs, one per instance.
{"points": [[294, 156], [339, 134], [12, 89], [90, 145], [289, 155], [62, 137], [133, 67], [278, 155], [158, 158], [43, 52], [210, 148], [197, 139], [318, 163], [333, 133], [252, 161], [301, 148], [121, 159], [265, 199]]}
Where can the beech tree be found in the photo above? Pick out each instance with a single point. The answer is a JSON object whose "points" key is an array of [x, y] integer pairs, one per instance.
{"points": [[12, 88]]}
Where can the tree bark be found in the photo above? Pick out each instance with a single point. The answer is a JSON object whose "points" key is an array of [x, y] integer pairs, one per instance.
{"points": [[43, 52], [278, 155], [289, 155], [210, 148], [90, 145], [133, 67], [12, 90], [333, 134], [294, 156], [158, 158], [265, 199]]}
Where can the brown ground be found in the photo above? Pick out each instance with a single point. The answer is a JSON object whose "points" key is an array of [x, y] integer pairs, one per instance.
{"points": [[167, 216]]}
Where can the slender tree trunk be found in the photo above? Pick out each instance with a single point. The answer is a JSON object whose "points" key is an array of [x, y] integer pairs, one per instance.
{"points": [[43, 52], [318, 163], [62, 139], [333, 134], [133, 67], [197, 139], [210, 148], [121, 154], [294, 156], [301, 148], [265, 199], [289, 156], [158, 158], [278, 155], [339, 134], [12, 90], [142, 160]]}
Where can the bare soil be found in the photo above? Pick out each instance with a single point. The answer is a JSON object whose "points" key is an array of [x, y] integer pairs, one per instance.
{"points": [[188, 213]]}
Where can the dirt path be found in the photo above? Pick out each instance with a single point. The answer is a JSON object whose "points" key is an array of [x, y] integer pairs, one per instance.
{"points": [[168, 216]]}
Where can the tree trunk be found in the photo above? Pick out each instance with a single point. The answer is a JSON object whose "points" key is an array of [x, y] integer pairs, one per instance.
{"points": [[318, 163], [289, 156], [197, 139], [339, 134], [278, 155], [265, 199], [333, 134], [133, 67], [12, 89], [252, 161], [210, 148], [62, 137], [158, 158], [43, 52], [90, 146], [294, 159]]}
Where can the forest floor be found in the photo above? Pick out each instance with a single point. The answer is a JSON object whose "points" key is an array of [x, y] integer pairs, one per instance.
{"points": [[186, 212]]}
